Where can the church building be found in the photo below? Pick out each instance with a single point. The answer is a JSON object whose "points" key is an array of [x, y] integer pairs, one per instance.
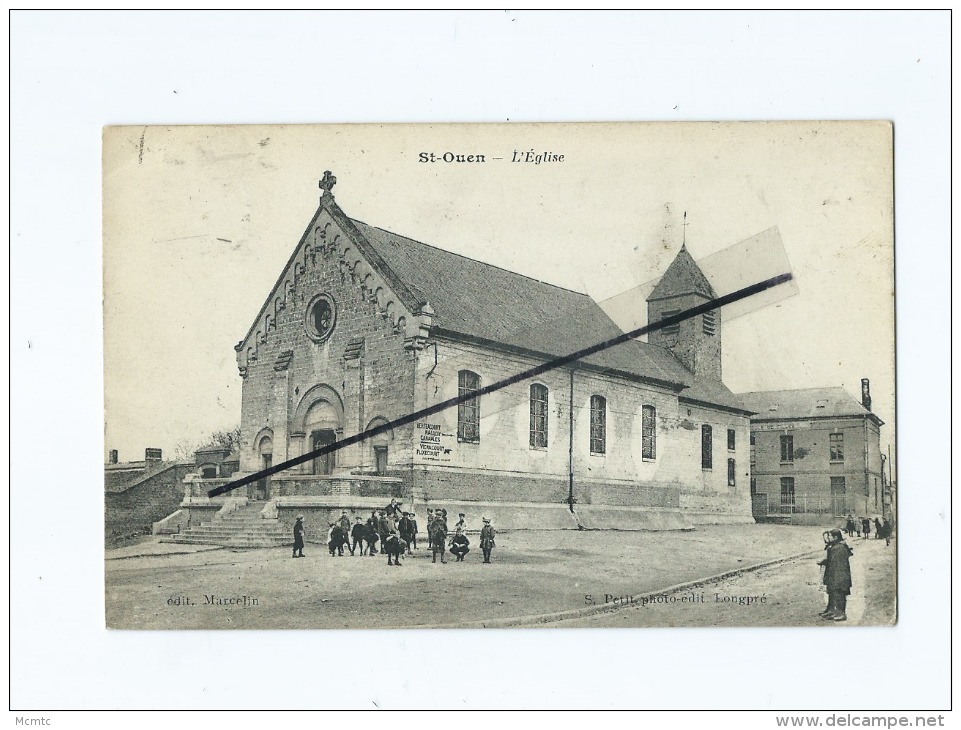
{"points": [[365, 326]]}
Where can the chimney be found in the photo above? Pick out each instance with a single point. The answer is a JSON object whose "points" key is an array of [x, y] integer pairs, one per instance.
{"points": [[114, 457], [152, 457], [866, 393]]}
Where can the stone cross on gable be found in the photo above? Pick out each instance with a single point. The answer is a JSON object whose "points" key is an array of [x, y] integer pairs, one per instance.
{"points": [[327, 182]]}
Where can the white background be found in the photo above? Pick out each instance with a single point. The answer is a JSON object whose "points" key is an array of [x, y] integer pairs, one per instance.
{"points": [[71, 74]]}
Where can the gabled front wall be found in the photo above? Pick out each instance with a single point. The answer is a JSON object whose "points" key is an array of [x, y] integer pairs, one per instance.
{"points": [[363, 370]]}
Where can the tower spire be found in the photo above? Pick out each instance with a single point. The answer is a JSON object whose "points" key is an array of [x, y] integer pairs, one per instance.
{"points": [[684, 233]]}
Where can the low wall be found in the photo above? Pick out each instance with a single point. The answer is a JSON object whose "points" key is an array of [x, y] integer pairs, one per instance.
{"points": [[594, 517], [717, 509], [308, 485]]}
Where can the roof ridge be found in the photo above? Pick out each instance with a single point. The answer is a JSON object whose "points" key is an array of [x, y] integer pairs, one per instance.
{"points": [[793, 390], [478, 261]]}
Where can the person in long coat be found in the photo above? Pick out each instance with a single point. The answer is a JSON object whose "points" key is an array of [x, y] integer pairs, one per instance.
{"points": [[837, 577], [487, 539], [299, 533]]}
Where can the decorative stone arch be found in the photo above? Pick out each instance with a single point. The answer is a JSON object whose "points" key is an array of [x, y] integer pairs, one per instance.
{"points": [[313, 397], [319, 421]]}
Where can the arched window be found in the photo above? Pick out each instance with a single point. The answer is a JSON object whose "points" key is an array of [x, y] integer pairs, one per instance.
{"points": [[538, 416], [648, 432], [468, 411], [598, 424]]}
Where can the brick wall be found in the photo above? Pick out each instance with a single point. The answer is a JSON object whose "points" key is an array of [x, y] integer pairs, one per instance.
{"points": [[812, 467], [137, 508]]}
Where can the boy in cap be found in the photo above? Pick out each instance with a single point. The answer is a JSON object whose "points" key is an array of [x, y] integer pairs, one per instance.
{"points": [[461, 522], [430, 521], [345, 523], [438, 536], [487, 539], [299, 534], [358, 532], [459, 545]]}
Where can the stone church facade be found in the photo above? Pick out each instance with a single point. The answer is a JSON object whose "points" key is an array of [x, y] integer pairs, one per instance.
{"points": [[364, 326]]}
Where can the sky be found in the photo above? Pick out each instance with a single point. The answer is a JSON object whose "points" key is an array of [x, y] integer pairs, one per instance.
{"points": [[199, 221]]}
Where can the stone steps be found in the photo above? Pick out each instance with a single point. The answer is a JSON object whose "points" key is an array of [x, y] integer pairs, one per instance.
{"points": [[243, 528]]}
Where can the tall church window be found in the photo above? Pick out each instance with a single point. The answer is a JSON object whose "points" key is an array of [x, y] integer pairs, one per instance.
{"points": [[837, 446], [787, 449], [538, 416], [707, 447], [731, 472], [598, 424], [468, 411], [648, 432], [731, 439], [710, 323]]}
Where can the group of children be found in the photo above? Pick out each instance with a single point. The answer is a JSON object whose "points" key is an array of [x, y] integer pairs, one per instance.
{"points": [[861, 526], [836, 564], [396, 531]]}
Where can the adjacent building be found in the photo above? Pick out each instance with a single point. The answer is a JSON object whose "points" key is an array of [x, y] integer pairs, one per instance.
{"points": [[815, 455]]}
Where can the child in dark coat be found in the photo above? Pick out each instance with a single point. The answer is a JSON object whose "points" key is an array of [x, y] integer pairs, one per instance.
{"points": [[837, 576]]}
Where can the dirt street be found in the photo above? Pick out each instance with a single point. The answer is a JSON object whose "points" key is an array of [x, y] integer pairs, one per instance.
{"points": [[532, 573], [790, 592]]}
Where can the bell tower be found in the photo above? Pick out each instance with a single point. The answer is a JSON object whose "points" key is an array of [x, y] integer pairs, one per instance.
{"points": [[695, 342]]}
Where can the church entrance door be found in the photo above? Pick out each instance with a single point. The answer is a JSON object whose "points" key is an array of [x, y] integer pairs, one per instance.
{"points": [[324, 437], [263, 485]]}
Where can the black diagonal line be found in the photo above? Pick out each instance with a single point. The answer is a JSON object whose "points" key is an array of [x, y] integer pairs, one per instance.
{"points": [[517, 378]]}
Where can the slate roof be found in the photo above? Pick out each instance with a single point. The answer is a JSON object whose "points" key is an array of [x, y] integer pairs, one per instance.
{"points": [[486, 302], [803, 403], [683, 276]]}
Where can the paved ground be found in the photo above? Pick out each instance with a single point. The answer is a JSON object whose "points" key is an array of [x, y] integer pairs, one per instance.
{"points": [[532, 573]]}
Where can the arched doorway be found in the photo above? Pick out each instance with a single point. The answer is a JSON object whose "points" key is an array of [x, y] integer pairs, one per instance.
{"points": [[265, 451], [322, 425]]}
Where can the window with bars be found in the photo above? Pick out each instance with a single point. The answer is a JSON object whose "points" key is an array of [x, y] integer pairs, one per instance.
{"points": [[787, 490], [753, 450], [598, 424], [468, 411], [538, 416], [787, 449], [837, 446], [707, 447], [648, 432], [710, 323], [731, 475], [731, 439]]}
